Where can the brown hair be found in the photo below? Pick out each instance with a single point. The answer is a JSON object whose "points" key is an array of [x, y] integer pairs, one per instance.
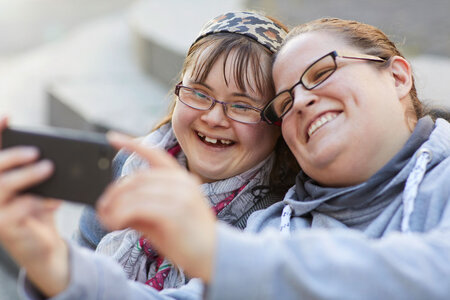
{"points": [[252, 61], [367, 38]]}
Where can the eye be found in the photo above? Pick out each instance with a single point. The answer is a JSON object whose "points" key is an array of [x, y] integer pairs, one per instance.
{"points": [[321, 74], [286, 104], [199, 94], [199, 97], [240, 107], [282, 103]]}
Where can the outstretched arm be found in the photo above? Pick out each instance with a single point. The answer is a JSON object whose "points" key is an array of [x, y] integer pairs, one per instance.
{"points": [[171, 212], [331, 264], [27, 229]]}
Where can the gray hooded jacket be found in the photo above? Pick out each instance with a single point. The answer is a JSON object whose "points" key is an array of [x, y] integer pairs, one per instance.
{"points": [[387, 238]]}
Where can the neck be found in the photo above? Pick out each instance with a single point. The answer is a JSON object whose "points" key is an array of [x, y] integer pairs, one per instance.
{"points": [[358, 167]]}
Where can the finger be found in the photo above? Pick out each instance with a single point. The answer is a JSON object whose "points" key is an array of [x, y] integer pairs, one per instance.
{"points": [[19, 179], [46, 212], [126, 190], [133, 199], [154, 186], [3, 122], [122, 213], [19, 209], [115, 188], [3, 125], [27, 223], [24, 206], [16, 156], [131, 195], [157, 158]]}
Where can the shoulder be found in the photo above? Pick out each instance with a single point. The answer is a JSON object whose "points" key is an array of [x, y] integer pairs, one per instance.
{"points": [[261, 204]]}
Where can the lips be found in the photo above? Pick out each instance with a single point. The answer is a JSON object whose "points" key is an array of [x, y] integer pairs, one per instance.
{"points": [[320, 121], [212, 141]]}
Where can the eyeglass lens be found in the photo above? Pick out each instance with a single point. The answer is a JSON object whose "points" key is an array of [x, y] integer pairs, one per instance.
{"points": [[236, 111], [316, 73]]}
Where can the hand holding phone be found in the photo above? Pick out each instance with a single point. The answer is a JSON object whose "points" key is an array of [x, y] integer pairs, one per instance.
{"points": [[82, 161]]}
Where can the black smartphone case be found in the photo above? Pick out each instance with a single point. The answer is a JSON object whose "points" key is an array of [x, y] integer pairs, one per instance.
{"points": [[82, 161]]}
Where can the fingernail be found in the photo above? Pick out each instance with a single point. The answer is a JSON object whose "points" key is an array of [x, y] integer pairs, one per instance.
{"points": [[29, 152], [101, 203], [45, 166], [116, 136]]}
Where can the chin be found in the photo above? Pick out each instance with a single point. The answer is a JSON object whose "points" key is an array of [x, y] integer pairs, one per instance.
{"points": [[318, 163], [210, 174]]}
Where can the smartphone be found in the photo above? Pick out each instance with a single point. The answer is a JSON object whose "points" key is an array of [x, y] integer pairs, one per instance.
{"points": [[82, 161]]}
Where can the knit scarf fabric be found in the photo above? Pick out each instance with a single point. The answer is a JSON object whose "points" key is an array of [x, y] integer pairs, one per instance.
{"points": [[140, 262]]}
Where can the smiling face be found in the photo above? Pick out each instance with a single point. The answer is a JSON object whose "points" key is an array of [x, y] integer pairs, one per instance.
{"points": [[217, 147], [347, 128]]}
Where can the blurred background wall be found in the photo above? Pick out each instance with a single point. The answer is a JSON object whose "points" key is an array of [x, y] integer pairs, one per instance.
{"points": [[63, 61], [420, 26]]}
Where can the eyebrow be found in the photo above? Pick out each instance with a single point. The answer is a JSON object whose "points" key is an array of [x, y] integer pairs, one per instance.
{"points": [[258, 101]]}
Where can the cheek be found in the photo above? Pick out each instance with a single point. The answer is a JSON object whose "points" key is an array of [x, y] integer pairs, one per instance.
{"points": [[182, 119], [289, 130], [260, 138], [182, 116]]}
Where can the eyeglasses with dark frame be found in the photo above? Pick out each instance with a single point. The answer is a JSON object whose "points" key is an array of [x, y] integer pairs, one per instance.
{"points": [[314, 75], [236, 111]]}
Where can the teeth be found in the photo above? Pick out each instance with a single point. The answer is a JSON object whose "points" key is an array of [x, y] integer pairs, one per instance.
{"points": [[213, 140], [320, 122], [210, 140]]}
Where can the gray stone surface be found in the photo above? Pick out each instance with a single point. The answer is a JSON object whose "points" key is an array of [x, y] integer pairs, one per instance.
{"points": [[25, 24], [422, 26], [432, 74], [8, 273]]}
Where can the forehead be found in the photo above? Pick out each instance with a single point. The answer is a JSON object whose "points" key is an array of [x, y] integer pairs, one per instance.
{"points": [[300, 52], [236, 73]]}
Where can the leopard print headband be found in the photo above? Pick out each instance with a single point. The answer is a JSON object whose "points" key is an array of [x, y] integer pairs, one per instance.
{"points": [[261, 29]]}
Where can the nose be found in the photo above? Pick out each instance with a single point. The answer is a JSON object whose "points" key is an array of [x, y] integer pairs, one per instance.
{"points": [[303, 98], [215, 116]]}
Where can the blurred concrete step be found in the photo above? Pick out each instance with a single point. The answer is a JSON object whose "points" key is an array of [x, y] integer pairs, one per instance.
{"points": [[104, 87], [162, 31], [99, 104]]}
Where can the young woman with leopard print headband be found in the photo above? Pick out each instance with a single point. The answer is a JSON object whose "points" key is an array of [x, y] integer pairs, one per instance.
{"points": [[214, 129]]}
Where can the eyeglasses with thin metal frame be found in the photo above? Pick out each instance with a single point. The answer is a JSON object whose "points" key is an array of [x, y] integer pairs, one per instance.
{"points": [[236, 111], [314, 75]]}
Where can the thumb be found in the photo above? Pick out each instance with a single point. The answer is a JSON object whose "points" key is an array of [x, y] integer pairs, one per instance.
{"points": [[3, 125], [157, 158]]}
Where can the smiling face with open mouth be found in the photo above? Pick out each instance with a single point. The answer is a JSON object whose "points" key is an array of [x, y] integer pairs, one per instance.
{"points": [[216, 146], [335, 130]]}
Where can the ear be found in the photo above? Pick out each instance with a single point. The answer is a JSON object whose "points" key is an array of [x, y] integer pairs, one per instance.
{"points": [[402, 75]]}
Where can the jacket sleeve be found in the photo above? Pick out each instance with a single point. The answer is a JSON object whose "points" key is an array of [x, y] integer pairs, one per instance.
{"points": [[94, 276], [331, 264]]}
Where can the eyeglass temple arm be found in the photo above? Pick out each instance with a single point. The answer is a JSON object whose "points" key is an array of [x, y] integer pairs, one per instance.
{"points": [[360, 56]]}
